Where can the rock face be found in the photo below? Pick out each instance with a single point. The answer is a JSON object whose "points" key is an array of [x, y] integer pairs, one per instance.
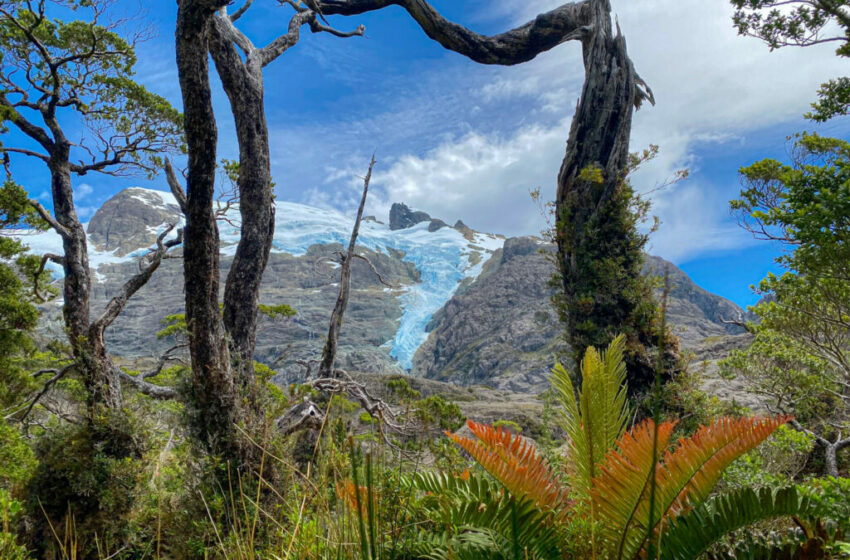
{"points": [[502, 331], [694, 313], [132, 219], [436, 224], [402, 217]]}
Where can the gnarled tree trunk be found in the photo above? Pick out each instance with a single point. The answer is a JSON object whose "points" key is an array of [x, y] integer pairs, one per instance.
{"points": [[215, 404], [103, 386], [600, 250], [243, 83]]}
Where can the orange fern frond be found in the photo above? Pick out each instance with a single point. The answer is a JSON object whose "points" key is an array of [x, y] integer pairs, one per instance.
{"points": [[684, 477], [619, 493], [513, 461], [347, 492], [692, 470]]}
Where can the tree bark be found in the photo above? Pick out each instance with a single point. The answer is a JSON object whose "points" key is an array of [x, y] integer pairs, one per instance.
{"points": [[103, 388], [215, 402], [243, 83]]}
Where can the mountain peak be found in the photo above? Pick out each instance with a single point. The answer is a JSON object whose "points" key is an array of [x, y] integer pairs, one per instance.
{"points": [[402, 217], [132, 219]]}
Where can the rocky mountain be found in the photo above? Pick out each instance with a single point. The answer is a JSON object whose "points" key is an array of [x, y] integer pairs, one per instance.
{"points": [[465, 307], [501, 330]]}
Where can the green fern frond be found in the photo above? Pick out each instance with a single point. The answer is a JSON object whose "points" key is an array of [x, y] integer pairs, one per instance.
{"points": [[598, 417], [479, 520], [690, 535]]}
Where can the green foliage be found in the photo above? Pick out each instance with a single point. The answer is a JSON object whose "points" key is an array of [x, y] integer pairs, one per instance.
{"points": [[802, 23], [799, 359], [435, 411], [401, 389], [473, 518], [805, 204], [175, 327], [775, 463], [276, 311], [829, 494], [9, 511], [18, 314], [691, 534], [86, 66], [17, 461], [597, 418], [777, 367], [508, 425], [602, 292], [85, 473]]}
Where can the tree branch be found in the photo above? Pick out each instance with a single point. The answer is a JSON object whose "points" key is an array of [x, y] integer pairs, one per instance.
{"points": [[36, 133], [153, 260], [30, 153], [375, 271], [174, 185], [241, 11], [146, 388], [50, 382], [302, 16], [45, 215], [521, 44], [163, 359], [58, 259]]}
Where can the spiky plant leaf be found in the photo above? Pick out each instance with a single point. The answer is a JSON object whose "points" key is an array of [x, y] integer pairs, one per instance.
{"points": [[595, 420], [620, 492], [513, 461], [683, 479], [690, 535], [477, 519], [691, 471]]}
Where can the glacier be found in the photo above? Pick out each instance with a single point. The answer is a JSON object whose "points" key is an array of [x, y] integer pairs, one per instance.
{"points": [[444, 258]]}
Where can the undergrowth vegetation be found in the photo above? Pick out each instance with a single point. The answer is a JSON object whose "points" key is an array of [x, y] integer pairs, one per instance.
{"points": [[604, 486]]}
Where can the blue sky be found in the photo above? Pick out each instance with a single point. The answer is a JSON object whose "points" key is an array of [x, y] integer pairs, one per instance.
{"points": [[464, 141]]}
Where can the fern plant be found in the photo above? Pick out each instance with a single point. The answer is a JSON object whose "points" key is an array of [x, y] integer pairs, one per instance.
{"points": [[635, 484]]}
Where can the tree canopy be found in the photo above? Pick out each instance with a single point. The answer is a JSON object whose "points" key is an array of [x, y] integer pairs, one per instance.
{"points": [[802, 23]]}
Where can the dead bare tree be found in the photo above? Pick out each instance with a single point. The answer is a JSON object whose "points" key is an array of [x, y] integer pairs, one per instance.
{"points": [[326, 365]]}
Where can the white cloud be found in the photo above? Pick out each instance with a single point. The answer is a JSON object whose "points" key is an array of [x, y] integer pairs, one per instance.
{"points": [[482, 179], [82, 191], [86, 212]]}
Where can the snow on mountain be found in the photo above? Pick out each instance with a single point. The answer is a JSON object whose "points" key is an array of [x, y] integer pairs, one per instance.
{"points": [[444, 258]]}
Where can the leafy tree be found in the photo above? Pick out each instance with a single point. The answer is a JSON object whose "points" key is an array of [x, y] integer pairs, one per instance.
{"points": [[18, 314], [800, 359], [802, 23], [56, 75]]}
